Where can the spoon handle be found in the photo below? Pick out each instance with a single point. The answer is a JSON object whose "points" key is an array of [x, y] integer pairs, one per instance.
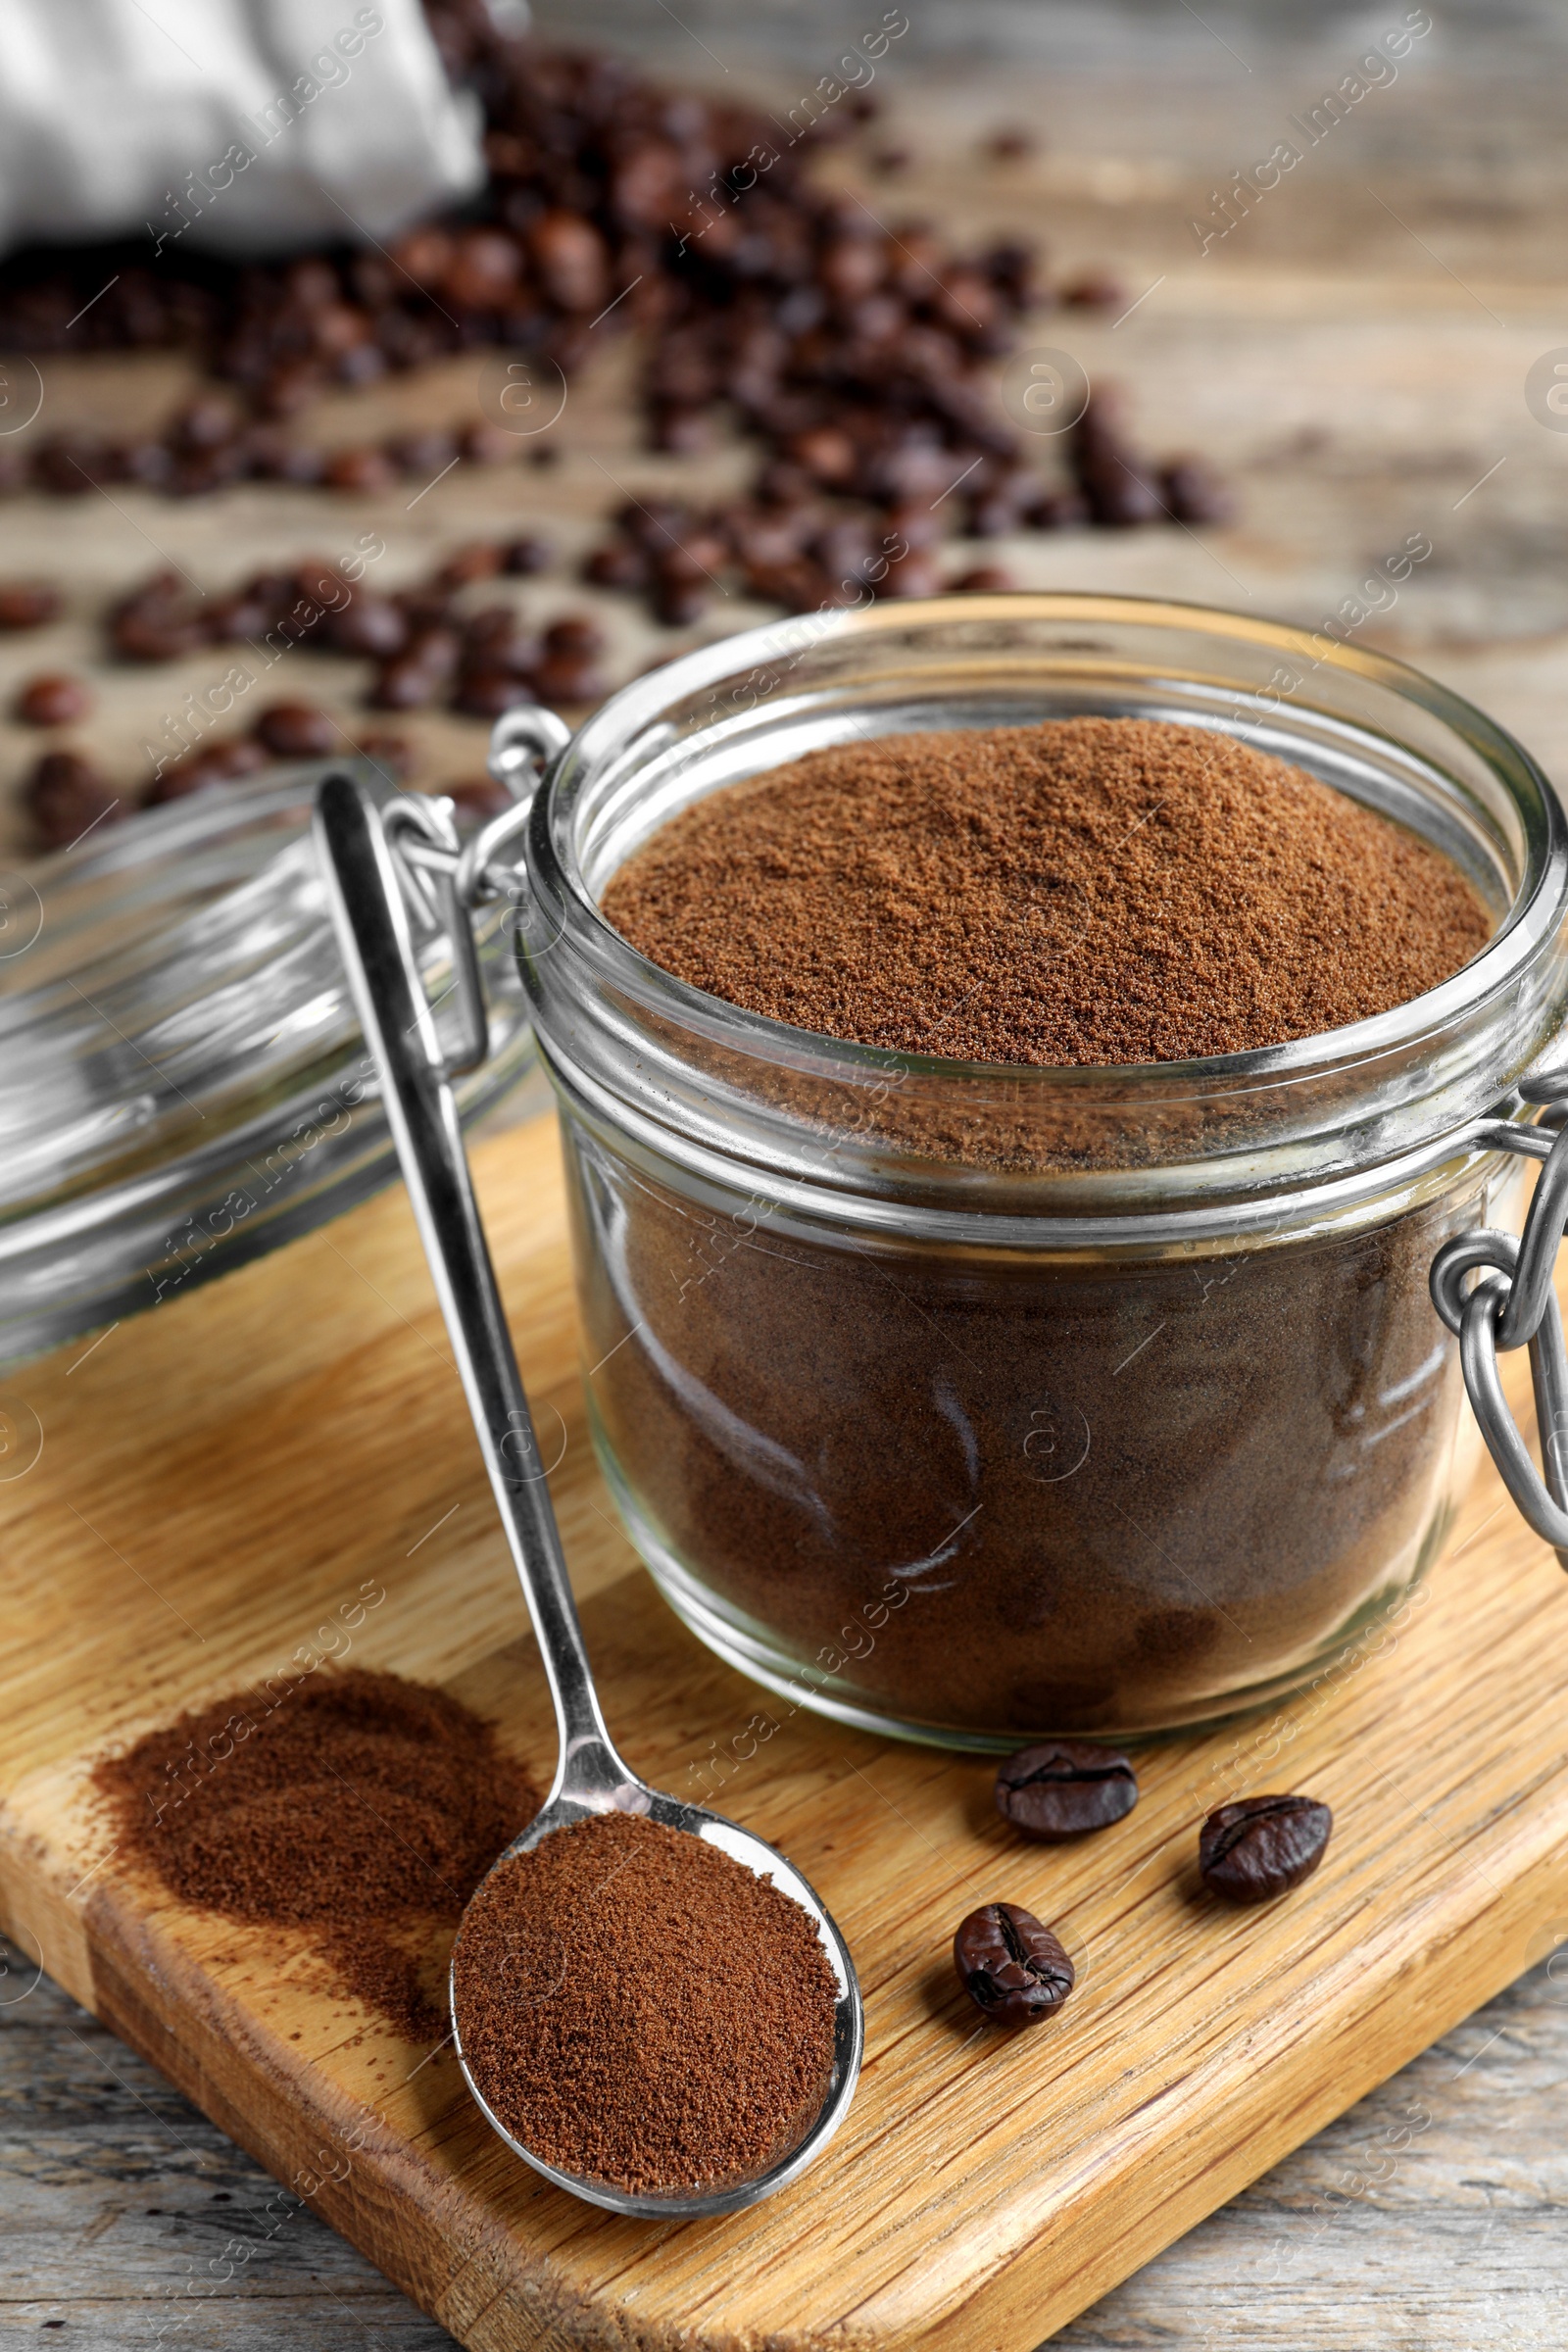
{"points": [[373, 928]]}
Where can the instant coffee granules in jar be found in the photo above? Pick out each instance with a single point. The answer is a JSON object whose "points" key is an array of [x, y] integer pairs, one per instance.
{"points": [[1093, 890], [1017, 1388]]}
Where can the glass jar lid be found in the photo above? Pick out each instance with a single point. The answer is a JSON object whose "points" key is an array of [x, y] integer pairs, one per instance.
{"points": [[183, 1084]]}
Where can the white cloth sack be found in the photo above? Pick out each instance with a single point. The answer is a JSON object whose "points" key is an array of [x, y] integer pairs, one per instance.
{"points": [[244, 126]]}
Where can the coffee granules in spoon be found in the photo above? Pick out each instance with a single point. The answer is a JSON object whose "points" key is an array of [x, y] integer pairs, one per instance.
{"points": [[357, 1806], [636, 2006], [1088, 891]]}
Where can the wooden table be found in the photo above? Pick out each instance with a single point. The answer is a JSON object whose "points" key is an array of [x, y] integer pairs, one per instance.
{"points": [[1355, 354], [1388, 2229]]}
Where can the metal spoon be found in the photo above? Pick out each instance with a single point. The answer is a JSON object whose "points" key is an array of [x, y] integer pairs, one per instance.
{"points": [[366, 890]]}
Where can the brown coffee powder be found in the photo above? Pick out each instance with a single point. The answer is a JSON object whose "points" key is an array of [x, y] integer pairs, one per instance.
{"points": [[996, 1492], [1017, 1495], [636, 2006], [356, 1805], [1086, 891]]}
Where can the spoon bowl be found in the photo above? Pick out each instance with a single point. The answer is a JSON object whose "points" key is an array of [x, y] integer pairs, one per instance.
{"points": [[755, 1854], [377, 851]]}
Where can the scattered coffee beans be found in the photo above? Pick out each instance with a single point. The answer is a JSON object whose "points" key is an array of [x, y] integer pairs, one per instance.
{"points": [[1262, 1847], [28, 603], [66, 795], [427, 645], [1011, 1967], [637, 2007], [355, 1806], [1065, 1789], [298, 731], [1089, 890], [221, 760], [857, 357], [54, 700]]}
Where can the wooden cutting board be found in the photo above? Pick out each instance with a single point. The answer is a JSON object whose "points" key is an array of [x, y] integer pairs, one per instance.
{"points": [[217, 1477]]}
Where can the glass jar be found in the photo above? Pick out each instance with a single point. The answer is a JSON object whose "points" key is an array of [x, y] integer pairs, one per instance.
{"points": [[975, 1403], [182, 1083]]}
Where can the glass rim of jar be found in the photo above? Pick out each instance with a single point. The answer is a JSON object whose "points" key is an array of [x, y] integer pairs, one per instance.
{"points": [[609, 744]]}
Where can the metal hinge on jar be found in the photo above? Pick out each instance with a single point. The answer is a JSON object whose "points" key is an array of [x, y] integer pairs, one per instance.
{"points": [[448, 878], [1513, 1304]]}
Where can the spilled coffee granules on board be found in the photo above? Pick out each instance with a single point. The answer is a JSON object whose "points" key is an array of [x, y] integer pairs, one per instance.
{"points": [[360, 1807], [1088, 891], [638, 2007]]}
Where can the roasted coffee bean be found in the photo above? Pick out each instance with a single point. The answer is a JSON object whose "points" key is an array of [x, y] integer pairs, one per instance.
{"points": [[28, 603], [1262, 1847], [420, 673], [148, 462], [65, 795], [205, 424], [677, 604], [139, 635], [1195, 492], [986, 579], [437, 647], [477, 799], [575, 635], [214, 764], [298, 731], [368, 624], [1115, 480], [526, 555], [67, 464], [486, 693], [403, 684], [54, 700], [569, 256], [569, 678], [915, 573], [486, 444], [1095, 290], [365, 470], [423, 454], [393, 755], [496, 638], [1011, 1966], [270, 455], [1061, 510], [477, 559], [1063, 1788], [482, 272], [162, 620], [620, 565], [286, 389]]}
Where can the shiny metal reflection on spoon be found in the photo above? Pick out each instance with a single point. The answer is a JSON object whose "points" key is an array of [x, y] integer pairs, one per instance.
{"points": [[367, 881]]}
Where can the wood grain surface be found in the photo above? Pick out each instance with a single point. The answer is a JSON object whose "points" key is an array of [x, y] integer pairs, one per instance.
{"points": [[1429, 2218], [1353, 356], [216, 1475]]}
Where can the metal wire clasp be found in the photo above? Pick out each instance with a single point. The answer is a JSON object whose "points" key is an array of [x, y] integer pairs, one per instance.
{"points": [[1514, 1305], [445, 880]]}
